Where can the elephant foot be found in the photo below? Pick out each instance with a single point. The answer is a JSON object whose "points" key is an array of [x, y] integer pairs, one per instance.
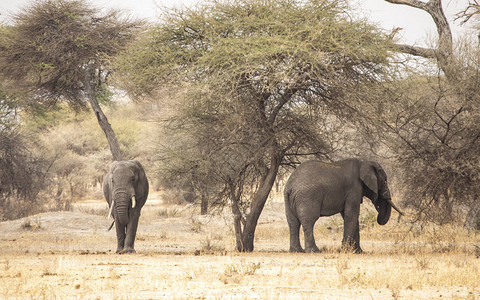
{"points": [[297, 250], [358, 250], [312, 250], [350, 249], [126, 251]]}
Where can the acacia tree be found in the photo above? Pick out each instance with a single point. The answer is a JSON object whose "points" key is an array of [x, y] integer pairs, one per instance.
{"points": [[59, 51], [257, 80]]}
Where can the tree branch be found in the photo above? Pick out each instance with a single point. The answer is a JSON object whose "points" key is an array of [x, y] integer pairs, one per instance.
{"points": [[412, 3], [416, 51], [283, 100], [444, 51], [472, 10]]}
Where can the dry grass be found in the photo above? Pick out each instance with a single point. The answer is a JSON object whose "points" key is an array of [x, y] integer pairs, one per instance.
{"points": [[184, 255], [264, 275]]}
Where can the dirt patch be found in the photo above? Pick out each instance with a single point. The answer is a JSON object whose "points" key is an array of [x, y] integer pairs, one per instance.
{"points": [[181, 254]]}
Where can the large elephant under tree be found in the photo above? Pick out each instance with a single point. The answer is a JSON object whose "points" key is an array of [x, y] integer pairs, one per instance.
{"points": [[316, 189], [126, 189]]}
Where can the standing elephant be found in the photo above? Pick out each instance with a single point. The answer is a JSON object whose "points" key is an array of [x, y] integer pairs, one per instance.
{"points": [[316, 189], [126, 189]]}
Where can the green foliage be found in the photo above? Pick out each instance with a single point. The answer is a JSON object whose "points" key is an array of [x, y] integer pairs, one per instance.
{"points": [[229, 44], [78, 131], [104, 94], [129, 130], [39, 118]]}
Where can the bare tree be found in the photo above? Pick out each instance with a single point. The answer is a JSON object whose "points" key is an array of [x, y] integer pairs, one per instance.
{"points": [[444, 49], [435, 124]]}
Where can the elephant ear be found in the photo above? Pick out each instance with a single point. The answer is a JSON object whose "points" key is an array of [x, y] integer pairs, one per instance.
{"points": [[368, 175], [141, 189], [107, 183]]}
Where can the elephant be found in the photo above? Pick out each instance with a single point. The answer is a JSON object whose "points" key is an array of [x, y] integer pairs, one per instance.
{"points": [[125, 188], [316, 189]]}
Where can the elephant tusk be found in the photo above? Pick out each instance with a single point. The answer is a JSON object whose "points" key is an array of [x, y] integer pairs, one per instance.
{"points": [[111, 209], [133, 202], [395, 207], [111, 226]]}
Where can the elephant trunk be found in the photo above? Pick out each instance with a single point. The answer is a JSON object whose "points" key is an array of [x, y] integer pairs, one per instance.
{"points": [[122, 212], [384, 211], [121, 200], [384, 208]]}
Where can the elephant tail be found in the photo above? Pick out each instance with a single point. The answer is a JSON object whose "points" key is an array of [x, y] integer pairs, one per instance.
{"points": [[109, 228]]}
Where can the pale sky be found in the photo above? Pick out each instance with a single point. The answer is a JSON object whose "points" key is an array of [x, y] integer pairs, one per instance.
{"points": [[417, 25]]}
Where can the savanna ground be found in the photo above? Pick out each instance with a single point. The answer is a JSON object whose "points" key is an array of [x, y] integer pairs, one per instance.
{"points": [[183, 255]]}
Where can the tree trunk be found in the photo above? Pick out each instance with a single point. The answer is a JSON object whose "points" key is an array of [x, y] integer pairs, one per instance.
{"points": [[69, 201], [103, 121], [237, 224], [472, 221], [203, 203], [258, 203]]}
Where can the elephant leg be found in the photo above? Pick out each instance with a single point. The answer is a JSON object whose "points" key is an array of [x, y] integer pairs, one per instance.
{"points": [[120, 236], [131, 233], [310, 245], [351, 232], [356, 240], [294, 226]]}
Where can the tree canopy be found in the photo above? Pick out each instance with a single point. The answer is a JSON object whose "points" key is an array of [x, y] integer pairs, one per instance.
{"points": [[267, 44], [260, 84]]}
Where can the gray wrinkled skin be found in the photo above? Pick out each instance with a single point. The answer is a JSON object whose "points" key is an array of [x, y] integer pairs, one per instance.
{"points": [[126, 179], [316, 189]]}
